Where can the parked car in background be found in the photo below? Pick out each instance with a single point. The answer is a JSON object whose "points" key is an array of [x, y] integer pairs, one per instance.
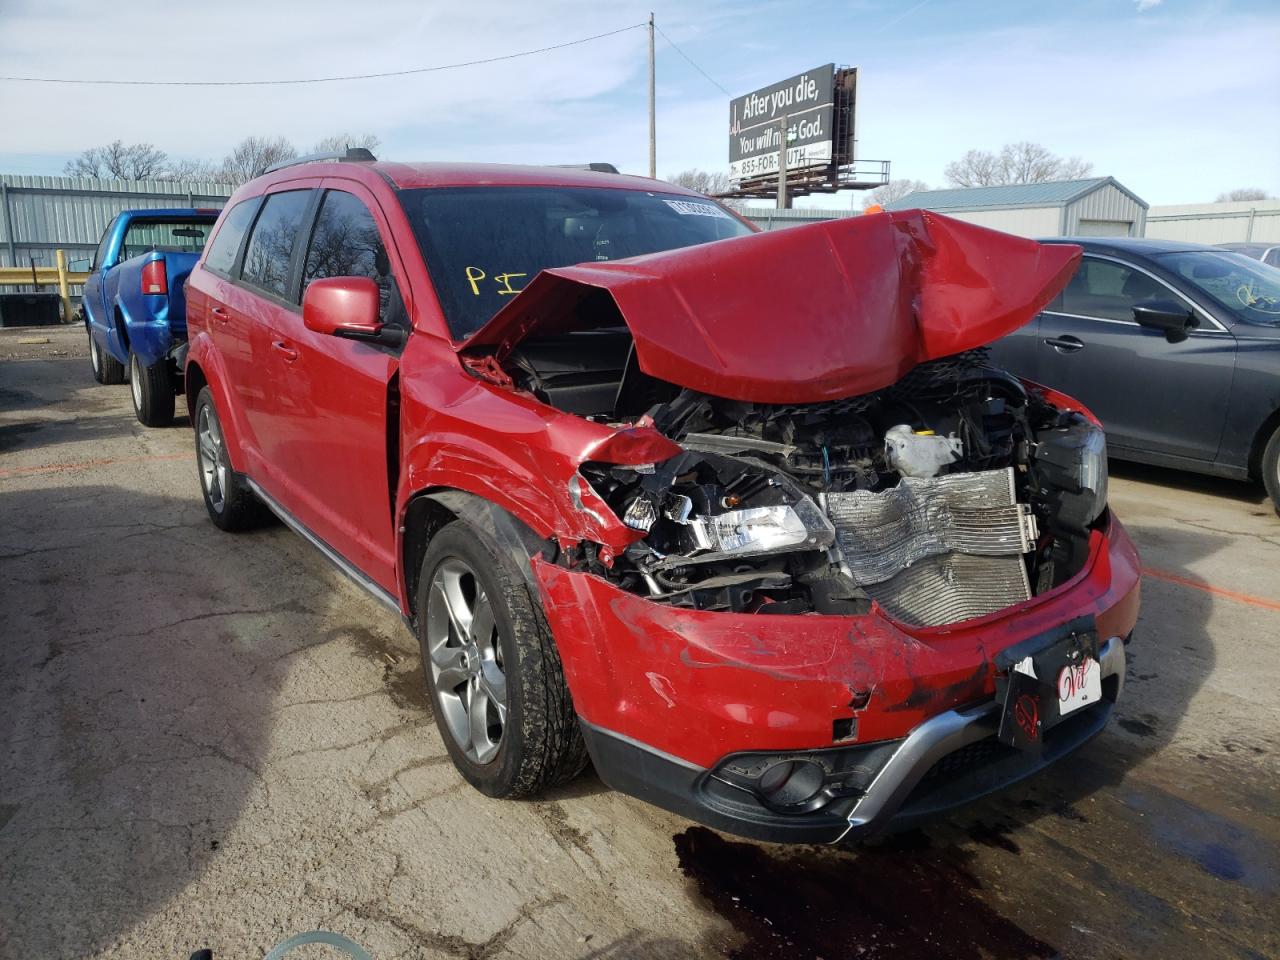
{"points": [[1175, 347], [650, 507], [134, 303], [1268, 253]]}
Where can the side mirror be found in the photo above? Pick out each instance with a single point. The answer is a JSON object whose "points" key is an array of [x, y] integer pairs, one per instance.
{"points": [[1173, 319], [347, 307]]}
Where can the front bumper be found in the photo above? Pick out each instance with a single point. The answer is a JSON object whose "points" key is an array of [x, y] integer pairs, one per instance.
{"points": [[668, 697], [948, 761]]}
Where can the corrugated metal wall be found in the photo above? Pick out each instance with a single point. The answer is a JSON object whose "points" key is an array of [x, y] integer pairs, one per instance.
{"points": [[1240, 220], [771, 218], [1106, 204], [40, 214]]}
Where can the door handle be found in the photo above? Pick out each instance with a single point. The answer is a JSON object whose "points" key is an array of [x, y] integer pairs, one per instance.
{"points": [[1065, 344], [221, 314], [290, 354]]}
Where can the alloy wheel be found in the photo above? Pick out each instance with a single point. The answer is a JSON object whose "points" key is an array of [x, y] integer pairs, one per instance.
{"points": [[212, 455], [466, 660]]}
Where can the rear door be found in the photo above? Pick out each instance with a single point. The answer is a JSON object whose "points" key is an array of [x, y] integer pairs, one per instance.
{"points": [[1152, 396], [339, 390], [256, 304]]}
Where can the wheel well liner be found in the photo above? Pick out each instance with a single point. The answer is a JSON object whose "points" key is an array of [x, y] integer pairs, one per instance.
{"points": [[431, 510]]}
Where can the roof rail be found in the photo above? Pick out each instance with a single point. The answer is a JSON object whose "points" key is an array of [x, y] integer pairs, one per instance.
{"points": [[598, 167], [351, 154]]}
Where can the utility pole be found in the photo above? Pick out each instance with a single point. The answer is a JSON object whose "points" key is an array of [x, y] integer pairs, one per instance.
{"points": [[653, 111], [782, 166]]}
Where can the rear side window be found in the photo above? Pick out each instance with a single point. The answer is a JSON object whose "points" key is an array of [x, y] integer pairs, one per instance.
{"points": [[266, 261], [346, 243], [222, 252]]}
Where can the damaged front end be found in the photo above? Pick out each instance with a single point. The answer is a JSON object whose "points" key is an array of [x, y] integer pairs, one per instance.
{"points": [[951, 495], [808, 573]]}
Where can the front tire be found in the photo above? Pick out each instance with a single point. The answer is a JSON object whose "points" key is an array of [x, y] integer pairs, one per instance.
{"points": [[1271, 469], [106, 368], [492, 669], [152, 389], [227, 498]]}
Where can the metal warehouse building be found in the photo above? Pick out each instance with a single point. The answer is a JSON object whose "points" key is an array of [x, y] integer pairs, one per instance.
{"points": [[1238, 220], [1097, 207], [40, 214]]}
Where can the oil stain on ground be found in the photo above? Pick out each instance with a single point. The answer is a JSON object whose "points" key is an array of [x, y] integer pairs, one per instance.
{"points": [[901, 901]]}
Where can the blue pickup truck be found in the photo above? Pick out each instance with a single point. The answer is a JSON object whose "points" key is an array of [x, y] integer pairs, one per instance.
{"points": [[135, 308]]}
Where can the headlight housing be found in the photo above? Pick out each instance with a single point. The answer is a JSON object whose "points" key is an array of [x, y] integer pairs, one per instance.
{"points": [[1071, 462]]}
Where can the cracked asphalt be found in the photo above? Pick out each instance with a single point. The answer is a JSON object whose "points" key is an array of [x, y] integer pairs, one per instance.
{"points": [[216, 741]]}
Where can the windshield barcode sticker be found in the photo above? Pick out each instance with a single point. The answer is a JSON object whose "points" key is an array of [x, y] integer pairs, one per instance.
{"points": [[691, 208]]}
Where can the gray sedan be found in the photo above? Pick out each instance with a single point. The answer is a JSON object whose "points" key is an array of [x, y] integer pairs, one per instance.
{"points": [[1175, 347]]}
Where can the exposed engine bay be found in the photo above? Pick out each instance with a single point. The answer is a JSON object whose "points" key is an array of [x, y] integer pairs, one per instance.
{"points": [[950, 495]]}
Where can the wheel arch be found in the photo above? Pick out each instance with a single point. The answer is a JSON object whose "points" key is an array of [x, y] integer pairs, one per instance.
{"points": [[203, 369], [430, 510], [1259, 445]]}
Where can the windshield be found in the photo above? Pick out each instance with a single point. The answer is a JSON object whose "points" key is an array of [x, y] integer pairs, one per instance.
{"points": [[169, 236], [1248, 288], [482, 245]]}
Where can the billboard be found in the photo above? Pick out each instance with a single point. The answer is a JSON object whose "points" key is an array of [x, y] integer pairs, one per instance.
{"points": [[755, 125]]}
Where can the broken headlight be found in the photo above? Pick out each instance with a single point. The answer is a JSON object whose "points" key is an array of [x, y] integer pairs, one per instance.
{"points": [[758, 530], [1071, 464]]}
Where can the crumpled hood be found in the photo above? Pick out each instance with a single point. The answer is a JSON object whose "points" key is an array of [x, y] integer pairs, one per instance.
{"points": [[805, 314]]}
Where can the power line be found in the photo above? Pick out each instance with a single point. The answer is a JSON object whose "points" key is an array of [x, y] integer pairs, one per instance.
{"points": [[691, 63], [357, 76]]}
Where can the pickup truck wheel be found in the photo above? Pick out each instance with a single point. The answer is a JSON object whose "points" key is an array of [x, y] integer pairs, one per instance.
{"points": [[228, 499], [1271, 469], [106, 368], [152, 389], [493, 670]]}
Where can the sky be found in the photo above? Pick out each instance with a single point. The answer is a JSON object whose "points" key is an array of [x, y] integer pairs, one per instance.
{"points": [[1177, 99]]}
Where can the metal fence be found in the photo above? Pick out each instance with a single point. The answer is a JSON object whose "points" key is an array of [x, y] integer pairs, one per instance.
{"points": [[39, 215]]}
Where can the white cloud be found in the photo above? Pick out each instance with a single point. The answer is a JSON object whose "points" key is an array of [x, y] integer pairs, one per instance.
{"points": [[1145, 5]]}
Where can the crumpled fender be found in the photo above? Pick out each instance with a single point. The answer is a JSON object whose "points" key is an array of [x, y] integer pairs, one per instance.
{"points": [[813, 313], [512, 450]]}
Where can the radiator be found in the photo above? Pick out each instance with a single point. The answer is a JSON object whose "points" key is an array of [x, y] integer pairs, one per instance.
{"points": [[939, 550]]}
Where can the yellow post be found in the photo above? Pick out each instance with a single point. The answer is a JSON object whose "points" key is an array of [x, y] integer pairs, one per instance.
{"points": [[64, 288]]}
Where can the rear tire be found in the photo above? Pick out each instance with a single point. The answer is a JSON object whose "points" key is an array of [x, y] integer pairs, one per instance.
{"points": [[106, 368], [1271, 469], [152, 389], [486, 647], [227, 498]]}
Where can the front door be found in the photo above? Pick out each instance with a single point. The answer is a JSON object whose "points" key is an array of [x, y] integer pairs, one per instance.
{"points": [[338, 392], [1151, 395]]}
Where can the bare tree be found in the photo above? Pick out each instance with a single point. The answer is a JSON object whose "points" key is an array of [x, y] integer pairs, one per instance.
{"points": [[977, 168], [118, 161], [893, 190], [1021, 162], [251, 157], [1244, 193], [189, 170], [702, 181], [340, 142]]}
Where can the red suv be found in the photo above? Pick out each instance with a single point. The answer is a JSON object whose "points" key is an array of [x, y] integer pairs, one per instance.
{"points": [[745, 518]]}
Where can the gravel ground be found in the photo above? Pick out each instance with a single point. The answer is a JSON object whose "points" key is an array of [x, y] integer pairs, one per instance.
{"points": [[208, 740]]}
